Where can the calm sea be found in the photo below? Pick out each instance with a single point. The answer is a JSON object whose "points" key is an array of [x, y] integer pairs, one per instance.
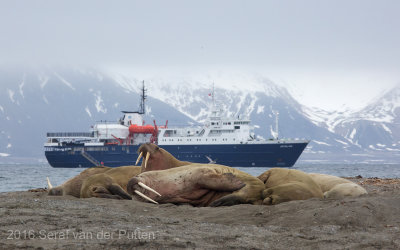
{"points": [[21, 177]]}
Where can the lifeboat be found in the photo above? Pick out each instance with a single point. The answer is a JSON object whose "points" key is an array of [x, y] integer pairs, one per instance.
{"points": [[136, 129]]}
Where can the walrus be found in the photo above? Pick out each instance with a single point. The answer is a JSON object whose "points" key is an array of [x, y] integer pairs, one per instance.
{"points": [[102, 182], [73, 185], [335, 187], [283, 185], [156, 158], [198, 185], [110, 184]]}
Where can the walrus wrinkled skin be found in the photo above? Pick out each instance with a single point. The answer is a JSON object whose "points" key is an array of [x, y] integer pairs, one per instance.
{"points": [[199, 185], [335, 187], [283, 185], [110, 184], [158, 158], [73, 185]]}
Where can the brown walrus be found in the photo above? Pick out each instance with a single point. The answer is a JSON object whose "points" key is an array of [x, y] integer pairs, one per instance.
{"points": [[110, 184], [283, 185], [156, 158], [335, 187], [198, 185], [104, 182], [73, 185]]}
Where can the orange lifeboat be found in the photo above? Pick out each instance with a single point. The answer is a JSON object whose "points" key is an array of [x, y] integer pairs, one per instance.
{"points": [[146, 129]]}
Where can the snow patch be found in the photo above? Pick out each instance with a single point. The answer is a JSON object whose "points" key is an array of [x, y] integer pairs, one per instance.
{"points": [[386, 128], [99, 103], [1, 108], [353, 133], [43, 80], [64, 81], [260, 109], [374, 148], [4, 155], [21, 92], [321, 143], [393, 149], [273, 132], [11, 95], [116, 104], [342, 142], [88, 111], [45, 99], [9, 145]]}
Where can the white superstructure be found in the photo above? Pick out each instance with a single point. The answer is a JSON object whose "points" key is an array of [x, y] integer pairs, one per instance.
{"points": [[217, 129]]}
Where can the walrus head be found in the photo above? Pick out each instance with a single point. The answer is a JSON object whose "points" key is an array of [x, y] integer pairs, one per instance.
{"points": [[57, 191], [156, 158], [136, 183]]}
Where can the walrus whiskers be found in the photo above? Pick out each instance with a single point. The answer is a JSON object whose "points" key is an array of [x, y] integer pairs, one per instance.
{"points": [[147, 158], [145, 197], [148, 188], [138, 159], [49, 184]]}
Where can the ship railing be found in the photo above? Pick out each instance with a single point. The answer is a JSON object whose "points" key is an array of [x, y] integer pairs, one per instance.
{"points": [[71, 134]]}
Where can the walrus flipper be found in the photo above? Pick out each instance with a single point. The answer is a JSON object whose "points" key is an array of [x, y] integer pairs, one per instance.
{"points": [[227, 182], [228, 200], [118, 190], [111, 192]]}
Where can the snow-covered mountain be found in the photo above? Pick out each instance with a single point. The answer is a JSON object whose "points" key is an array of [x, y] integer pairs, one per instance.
{"points": [[375, 128], [33, 102]]}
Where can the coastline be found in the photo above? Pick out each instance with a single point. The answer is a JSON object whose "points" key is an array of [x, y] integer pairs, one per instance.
{"points": [[35, 220]]}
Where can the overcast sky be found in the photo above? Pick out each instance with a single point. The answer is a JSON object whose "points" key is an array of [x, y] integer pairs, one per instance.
{"points": [[331, 52]]}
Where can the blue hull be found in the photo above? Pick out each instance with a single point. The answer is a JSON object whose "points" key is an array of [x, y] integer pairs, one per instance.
{"points": [[234, 155]]}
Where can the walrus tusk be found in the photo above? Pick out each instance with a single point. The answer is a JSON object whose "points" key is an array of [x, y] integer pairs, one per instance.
{"points": [[138, 159], [147, 158], [148, 188], [49, 184], [145, 197]]}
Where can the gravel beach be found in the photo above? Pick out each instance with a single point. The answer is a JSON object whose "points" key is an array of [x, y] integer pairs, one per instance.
{"points": [[34, 220]]}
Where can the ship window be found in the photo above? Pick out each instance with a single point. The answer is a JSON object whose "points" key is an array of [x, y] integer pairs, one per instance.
{"points": [[169, 133], [237, 127]]}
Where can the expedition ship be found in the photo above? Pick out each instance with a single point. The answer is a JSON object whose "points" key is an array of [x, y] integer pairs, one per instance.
{"points": [[222, 140]]}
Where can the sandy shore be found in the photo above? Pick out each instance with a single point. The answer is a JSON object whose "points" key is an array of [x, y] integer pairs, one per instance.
{"points": [[35, 220]]}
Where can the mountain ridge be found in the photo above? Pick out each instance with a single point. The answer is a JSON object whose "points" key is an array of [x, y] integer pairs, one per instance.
{"points": [[38, 101]]}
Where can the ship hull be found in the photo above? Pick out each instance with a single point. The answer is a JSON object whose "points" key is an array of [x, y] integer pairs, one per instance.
{"points": [[234, 155]]}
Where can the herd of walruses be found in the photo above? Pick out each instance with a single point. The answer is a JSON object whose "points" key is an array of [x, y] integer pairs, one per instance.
{"points": [[162, 178]]}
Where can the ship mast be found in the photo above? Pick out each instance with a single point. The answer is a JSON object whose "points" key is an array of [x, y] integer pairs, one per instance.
{"points": [[143, 98]]}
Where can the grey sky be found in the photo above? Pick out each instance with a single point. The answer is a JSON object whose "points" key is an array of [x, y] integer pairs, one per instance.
{"points": [[304, 42]]}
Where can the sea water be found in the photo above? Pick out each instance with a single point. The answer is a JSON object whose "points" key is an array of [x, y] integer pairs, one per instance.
{"points": [[22, 177]]}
